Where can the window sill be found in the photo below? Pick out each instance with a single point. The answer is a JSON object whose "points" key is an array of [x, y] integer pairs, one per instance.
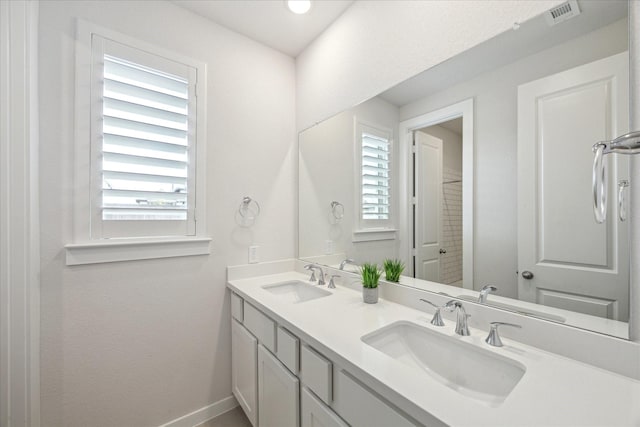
{"points": [[374, 234], [130, 250]]}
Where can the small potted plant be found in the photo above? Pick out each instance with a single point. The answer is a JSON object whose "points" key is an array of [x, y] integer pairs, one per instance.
{"points": [[393, 268], [370, 276]]}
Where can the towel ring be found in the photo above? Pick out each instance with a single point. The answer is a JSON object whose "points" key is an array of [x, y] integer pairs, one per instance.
{"points": [[337, 210], [249, 209], [624, 144]]}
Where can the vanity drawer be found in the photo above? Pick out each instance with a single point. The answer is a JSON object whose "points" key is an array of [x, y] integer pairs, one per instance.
{"points": [[236, 307], [288, 350], [316, 373], [260, 326], [360, 407]]}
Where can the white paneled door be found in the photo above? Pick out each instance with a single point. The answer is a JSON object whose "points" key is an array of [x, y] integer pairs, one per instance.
{"points": [[428, 212], [566, 259]]}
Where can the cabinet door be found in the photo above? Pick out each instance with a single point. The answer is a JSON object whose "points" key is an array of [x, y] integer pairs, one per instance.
{"points": [[278, 396], [244, 376], [317, 414], [362, 408]]}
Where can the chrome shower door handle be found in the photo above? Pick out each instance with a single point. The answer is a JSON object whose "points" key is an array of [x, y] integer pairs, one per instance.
{"points": [[622, 202], [599, 183]]}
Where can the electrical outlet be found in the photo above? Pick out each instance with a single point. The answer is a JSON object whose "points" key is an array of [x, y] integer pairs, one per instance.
{"points": [[328, 247], [254, 255]]}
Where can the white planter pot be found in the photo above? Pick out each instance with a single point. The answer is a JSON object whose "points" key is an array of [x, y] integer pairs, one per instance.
{"points": [[370, 295]]}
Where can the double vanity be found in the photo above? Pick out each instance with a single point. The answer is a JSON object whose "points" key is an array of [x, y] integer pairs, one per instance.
{"points": [[308, 355]]}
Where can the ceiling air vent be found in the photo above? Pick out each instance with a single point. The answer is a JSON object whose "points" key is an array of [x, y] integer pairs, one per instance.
{"points": [[563, 12]]}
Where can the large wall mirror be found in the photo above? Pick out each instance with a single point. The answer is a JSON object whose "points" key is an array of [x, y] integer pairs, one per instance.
{"points": [[477, 173]]}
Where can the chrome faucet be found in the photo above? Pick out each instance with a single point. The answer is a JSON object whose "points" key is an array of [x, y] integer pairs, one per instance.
{"points": [[462, 327], [347, 261], [312, 268], [484, 293], [494, 338]]}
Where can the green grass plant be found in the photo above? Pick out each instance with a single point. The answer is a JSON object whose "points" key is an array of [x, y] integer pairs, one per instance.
{"points": [[370, 275], [393, 268]]}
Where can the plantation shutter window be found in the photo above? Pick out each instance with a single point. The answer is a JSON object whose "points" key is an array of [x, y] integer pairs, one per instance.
{"points": [[375, 176], [375, 169], [143, 143]]}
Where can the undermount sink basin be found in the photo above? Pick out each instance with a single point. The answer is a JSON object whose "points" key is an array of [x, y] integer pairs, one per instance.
{"points": [[516, 309], [296, 291], [466, 368]]}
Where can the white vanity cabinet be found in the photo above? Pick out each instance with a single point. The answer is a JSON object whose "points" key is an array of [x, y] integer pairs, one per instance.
{"points": [[244, 374], [317, 414], [278, 392], [265, 388], [281, 381]]}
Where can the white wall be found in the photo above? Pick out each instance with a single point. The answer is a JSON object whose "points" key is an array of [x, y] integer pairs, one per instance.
{"points": [[495, 93], [377, 44], [142, 343]]}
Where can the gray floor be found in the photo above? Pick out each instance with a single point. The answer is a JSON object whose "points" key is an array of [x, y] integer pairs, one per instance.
{"points": [[233, 418]]}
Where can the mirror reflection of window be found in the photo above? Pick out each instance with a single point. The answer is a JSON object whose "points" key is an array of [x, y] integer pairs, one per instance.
{"points": [[375, 177]]}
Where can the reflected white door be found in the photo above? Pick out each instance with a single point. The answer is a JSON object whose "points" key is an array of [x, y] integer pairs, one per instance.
{"points": [[428, 186], [576, 264]]}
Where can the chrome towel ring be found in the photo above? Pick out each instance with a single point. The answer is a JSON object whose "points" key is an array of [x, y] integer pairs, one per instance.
{"points": [[337, 210], [247, 212], [626, 144]]}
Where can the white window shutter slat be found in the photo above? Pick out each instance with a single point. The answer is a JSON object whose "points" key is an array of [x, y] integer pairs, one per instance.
{"points": [[145, 143], [376, 176]]}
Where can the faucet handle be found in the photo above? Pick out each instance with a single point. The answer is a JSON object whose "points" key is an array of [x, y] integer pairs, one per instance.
{"points": [[311, 268], [494, 338], [437, 317], [332, 284], [484, 292]]}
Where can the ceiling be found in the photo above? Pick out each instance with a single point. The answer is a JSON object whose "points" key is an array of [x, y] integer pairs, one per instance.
{"points": [[530, 37], [269, 21]]}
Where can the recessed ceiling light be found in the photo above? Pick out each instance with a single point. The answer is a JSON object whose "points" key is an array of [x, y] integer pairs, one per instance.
{"points": [[299, 6]]}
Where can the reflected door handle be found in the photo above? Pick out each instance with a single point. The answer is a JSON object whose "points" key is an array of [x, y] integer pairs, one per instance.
{"points": [[527, 275], [622, 205], [443, 251]]}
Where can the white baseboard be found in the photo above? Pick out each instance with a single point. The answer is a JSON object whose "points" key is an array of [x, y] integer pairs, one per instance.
{"points": [[204, 414]]}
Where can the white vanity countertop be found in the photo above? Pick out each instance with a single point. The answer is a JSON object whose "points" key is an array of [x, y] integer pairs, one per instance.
{"points": [[553, 391]]}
